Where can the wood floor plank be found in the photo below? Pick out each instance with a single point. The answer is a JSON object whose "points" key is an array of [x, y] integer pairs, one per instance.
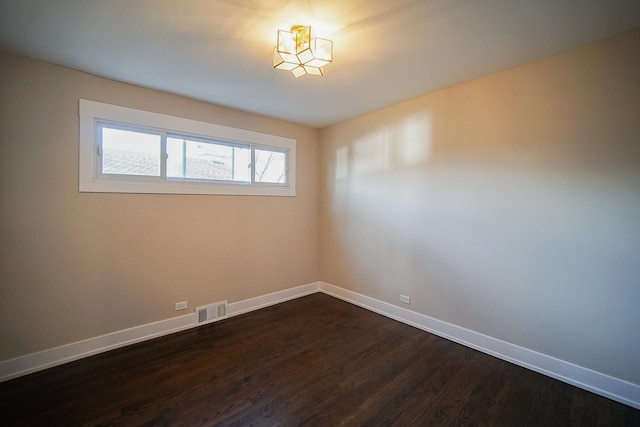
{"points": [[315, 360]]}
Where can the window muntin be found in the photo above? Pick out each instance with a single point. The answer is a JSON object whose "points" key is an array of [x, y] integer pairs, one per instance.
{"points": [[195, 157]]}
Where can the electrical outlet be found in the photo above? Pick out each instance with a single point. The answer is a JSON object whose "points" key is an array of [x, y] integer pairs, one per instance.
{"points": [[181, 305], [405, 299]]}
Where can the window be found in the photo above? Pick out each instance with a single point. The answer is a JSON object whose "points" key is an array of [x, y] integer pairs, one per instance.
{"points": [[133, 151], [270, 166], [129, 152], [208, 160]]}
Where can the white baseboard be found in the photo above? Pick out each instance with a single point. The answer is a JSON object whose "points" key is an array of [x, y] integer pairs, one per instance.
{"points": [[596, 382], [34, 362], [602, 384], [245, 306]]}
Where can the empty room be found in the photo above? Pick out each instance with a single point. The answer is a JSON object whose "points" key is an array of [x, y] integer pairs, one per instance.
{"points": [[303, 212]]}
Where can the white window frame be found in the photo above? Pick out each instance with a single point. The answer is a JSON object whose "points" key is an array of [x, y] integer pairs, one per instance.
{"points": [[93, 113]]}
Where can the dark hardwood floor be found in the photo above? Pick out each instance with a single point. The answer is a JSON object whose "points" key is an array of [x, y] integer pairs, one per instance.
{"points": [[311, 361]]}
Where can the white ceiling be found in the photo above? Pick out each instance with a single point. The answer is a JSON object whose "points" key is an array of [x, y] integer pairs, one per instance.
{"points": [[385, 51]]}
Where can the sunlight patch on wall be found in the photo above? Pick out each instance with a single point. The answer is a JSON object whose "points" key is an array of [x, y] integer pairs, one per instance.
{"points": [[406, 142], [371, 153], [342, 162], [414, 140]]}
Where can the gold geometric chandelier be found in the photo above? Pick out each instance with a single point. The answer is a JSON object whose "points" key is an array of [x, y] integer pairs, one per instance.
{"points": [[297, 52]]}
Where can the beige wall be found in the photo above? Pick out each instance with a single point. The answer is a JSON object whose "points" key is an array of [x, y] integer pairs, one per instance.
{"points": [[78, 265], [509, 205]]}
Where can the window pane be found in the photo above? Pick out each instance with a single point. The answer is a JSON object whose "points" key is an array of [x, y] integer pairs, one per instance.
{"points": [[203, 160], [126, 152], [270, 167]]}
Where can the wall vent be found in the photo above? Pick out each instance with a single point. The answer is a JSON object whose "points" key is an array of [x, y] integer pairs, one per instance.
{"points": [[212, 312]]}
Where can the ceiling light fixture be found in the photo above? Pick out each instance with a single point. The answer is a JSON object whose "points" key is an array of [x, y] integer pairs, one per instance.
{"points": [[297, 52]]}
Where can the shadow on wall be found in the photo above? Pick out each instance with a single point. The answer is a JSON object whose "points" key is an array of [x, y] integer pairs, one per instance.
{"points": [[514, 241]]}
